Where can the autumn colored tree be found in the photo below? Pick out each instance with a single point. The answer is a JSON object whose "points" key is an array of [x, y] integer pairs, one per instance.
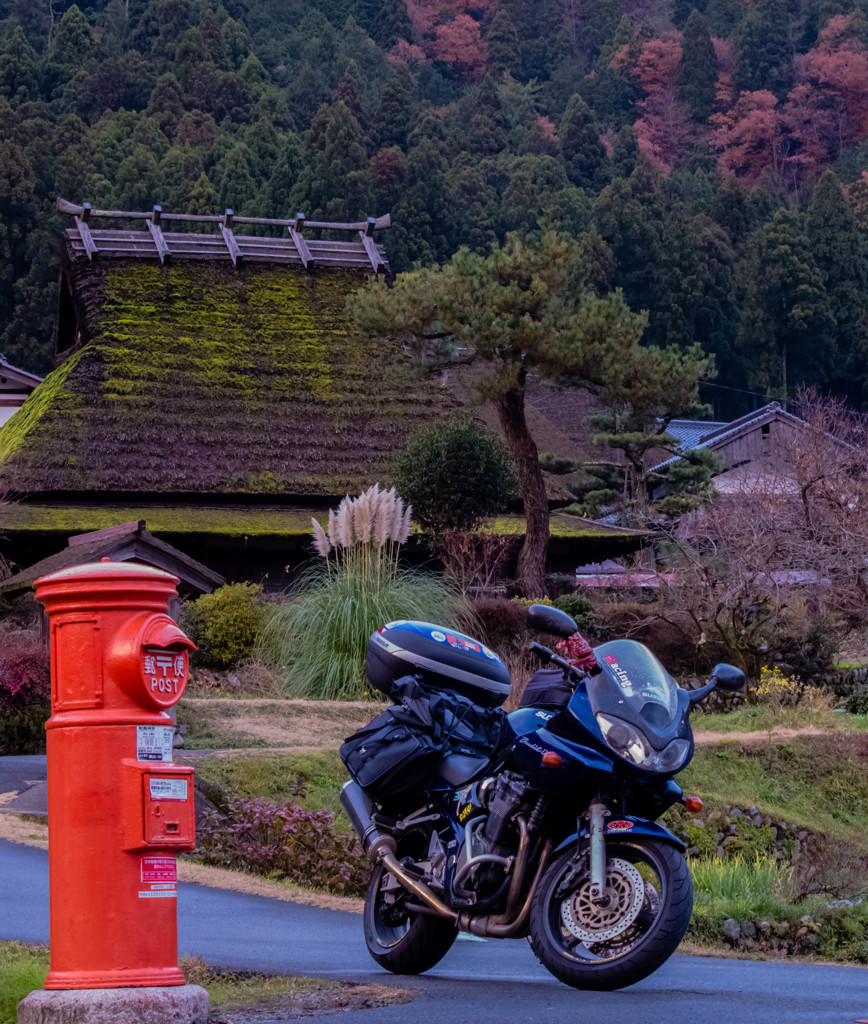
{"points": [[749, 136], [459, 44], [523, 309]]}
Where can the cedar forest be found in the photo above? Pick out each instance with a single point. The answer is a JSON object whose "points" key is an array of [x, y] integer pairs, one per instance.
{"points": [[713, 156]]}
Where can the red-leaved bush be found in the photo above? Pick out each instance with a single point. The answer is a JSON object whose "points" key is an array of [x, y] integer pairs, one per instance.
{"points": [[284, 841], [25, 693]]}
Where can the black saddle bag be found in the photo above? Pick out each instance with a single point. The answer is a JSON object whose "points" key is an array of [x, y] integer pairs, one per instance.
{"points": [[547, 688], [387, 757]]}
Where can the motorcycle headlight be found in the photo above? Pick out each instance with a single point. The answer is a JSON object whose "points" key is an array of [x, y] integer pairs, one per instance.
{"points": [[628, 742]]}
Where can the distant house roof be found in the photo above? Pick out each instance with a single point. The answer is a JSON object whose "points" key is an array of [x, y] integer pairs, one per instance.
{"points": [[195, 377], [128, 542], [691, 432], [724, 433], [10, 374]]}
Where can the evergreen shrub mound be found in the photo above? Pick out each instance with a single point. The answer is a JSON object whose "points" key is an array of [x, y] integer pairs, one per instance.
{"points": [[25, 693], [857, 703], [226, 624]]}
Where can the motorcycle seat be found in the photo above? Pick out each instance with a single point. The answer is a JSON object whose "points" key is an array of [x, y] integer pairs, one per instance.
{"points": [[459, 769]]}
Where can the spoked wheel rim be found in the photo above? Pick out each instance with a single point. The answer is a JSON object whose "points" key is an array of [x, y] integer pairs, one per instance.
{"points": [[592, 933]]}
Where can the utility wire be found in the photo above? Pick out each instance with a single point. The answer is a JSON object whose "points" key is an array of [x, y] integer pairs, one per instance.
{"points": [[741, 391]]}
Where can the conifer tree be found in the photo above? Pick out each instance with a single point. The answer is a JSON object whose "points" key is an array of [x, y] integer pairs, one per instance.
{"points": [[584, 154], [392, 24], [763, 49], [697, 69], [839, 251], [503, 55], [526, 308], [70, 50], [19, 80]]}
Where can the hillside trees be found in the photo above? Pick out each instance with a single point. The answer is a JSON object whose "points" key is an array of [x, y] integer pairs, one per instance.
{"points": [[526, 308]]}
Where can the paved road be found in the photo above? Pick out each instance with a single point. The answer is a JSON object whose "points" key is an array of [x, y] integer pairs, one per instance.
{"points": [[477, 982]]}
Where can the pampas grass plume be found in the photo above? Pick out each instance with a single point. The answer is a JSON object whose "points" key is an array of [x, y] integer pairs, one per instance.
{"points": [[320, 540]]}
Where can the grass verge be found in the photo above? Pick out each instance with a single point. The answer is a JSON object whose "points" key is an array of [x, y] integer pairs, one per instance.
{"points": [[23, 969], [758, 718], [819, 781]]}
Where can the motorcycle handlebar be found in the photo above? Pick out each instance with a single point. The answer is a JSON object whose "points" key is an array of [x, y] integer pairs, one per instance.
{"points": [[555, 659]]}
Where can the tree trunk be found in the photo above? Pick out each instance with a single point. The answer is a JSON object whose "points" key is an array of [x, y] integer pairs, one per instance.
{"points": [[532, 559]]}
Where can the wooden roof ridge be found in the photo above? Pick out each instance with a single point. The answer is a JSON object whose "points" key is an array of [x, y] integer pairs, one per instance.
{"points": [[226, 244], [123, 543]]}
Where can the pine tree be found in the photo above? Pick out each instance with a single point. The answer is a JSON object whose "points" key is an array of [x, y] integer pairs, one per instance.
{"points": [[70, 51], [697, 69], [584, 154], [398, 108]]}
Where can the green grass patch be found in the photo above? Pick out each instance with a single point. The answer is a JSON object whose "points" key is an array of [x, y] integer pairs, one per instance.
{"points": [[757, 718], [203, 734], [818, 781], [742, 887], [274, 776], [22, 969]]}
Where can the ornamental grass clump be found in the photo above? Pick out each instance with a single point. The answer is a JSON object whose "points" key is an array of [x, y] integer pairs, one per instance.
{"points": [[317, 639]]}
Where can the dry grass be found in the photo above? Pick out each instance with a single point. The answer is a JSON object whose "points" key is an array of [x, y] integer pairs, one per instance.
{"points": [[307, 724]]}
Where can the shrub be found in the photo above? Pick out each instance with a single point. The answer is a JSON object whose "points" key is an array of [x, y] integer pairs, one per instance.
{"points": [[25, 694], [557, 464], [225, 625], [775, 690], [283, 841], [317, 641], [454, 473], [502, 623], [577, 607], [857, 703]]}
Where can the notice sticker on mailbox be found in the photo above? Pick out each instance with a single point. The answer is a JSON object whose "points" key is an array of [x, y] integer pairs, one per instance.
{"points": [[154, 743], [160, 876], [168, 789]]}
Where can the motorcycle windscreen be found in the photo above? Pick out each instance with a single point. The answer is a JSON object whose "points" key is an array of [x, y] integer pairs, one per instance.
{"points": [[633, 685]]}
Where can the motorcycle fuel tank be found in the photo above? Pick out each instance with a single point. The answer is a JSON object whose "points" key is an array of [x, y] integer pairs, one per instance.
{"points": [[444, 658]]}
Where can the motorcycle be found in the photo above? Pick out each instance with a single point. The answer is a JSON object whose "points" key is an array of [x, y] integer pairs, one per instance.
{"points": [[538, 824]]}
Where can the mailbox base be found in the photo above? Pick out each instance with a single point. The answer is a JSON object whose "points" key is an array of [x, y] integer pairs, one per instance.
{"points": [[178, 1004]]}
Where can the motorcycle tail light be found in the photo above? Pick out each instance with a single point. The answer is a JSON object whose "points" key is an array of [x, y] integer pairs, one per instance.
{"points": [[693, 804]]}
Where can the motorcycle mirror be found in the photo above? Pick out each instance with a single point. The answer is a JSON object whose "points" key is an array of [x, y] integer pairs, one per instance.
{"points": [[727, 677], [545, 619]]}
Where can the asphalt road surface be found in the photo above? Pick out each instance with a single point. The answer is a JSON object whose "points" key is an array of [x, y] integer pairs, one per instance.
{"points": [[477, 982]]}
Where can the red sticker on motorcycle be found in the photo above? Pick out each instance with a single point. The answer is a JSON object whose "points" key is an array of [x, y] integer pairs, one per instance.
{"points": [[619, 826]]}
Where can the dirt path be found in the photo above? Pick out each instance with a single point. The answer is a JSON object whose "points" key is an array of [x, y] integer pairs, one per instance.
{"points": [[705, 738]]}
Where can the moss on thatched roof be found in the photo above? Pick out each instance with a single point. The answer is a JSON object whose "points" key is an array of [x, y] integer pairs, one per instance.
{"points": [[200, 378], [242, 522]]}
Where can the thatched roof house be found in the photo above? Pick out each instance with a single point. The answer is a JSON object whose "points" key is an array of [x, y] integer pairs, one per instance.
{"points": [[211, 384]]}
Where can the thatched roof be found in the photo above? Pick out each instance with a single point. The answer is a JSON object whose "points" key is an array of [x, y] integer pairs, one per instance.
{"points": [[203, 378]]}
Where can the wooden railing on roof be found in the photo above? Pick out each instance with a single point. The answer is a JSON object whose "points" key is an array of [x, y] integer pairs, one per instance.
{"points": [[361, 254]]}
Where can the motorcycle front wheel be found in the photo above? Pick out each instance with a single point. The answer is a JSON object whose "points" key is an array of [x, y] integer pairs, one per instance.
{"points": [[611, 944], [401, 940]]}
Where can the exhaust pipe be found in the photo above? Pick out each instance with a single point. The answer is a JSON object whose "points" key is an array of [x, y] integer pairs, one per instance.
{"points": [[380, 847]]}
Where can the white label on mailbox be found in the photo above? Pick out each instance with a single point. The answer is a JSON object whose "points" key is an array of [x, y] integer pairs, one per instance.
{"points": [[156, 895], [154, 743], [168, 789]]}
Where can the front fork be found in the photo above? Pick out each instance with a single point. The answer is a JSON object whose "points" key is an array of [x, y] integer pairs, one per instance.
{"points": [[597, 814]]}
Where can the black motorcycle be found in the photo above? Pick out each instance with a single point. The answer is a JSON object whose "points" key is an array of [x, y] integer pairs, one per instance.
{"points": [[540, 823]]}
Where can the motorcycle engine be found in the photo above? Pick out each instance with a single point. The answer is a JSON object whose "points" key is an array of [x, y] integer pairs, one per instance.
{"points": [[490, 841]]}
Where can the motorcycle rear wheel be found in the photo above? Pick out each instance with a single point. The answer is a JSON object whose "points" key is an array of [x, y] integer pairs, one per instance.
{"points": [[609, 947], [400, 940]]}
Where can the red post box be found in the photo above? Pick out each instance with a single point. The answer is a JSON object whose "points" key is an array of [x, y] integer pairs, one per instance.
{"points": [[118, 808]]}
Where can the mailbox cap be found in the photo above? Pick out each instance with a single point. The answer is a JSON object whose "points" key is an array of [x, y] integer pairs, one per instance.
{"points": [[131, 571]]}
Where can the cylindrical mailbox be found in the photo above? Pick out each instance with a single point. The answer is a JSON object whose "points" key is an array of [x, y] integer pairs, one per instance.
{"points": [[118, 808]]}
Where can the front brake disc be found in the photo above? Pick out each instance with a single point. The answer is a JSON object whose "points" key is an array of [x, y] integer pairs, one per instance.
{"points": [[624, 889]]}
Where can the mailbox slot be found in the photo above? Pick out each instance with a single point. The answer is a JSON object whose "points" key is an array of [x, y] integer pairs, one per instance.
{"points": [[159, 810]]}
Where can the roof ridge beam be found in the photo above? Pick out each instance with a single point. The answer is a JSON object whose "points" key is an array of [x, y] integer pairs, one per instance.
{"points": [[229, 238], [157, 234], [371, 249], [81, 220], [295, 229]]}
